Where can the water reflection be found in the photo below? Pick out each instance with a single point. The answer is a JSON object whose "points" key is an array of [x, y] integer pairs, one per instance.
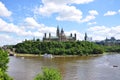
{"points": [[71, 68]]}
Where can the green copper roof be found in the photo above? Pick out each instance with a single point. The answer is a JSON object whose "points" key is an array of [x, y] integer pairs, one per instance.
{"points": [[53, 37]]}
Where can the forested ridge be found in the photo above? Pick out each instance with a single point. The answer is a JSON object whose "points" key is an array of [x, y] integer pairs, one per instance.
{"points": [[58, 48]]}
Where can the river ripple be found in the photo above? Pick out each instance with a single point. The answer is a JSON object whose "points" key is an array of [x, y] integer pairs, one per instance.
{"points": [[71, 68]]}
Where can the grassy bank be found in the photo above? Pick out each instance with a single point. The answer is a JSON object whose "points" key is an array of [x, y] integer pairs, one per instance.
{"points": [[23, 55], [34, 55]]}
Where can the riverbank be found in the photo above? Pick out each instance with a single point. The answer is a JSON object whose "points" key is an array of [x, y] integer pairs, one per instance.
{"points": [[23, 55], [37, 55]]}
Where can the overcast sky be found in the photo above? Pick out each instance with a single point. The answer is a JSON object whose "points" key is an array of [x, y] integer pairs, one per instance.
{"points": [[25, 19]]}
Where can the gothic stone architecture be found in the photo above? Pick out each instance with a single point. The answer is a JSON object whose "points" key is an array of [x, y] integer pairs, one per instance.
{"points": [[60, 36]]}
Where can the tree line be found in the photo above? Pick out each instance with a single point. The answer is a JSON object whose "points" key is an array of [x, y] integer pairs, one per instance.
{"points": [[58, 48], [113, 48]]}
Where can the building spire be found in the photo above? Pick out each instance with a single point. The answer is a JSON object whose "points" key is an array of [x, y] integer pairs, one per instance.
{"points": [[57, 32], [44, 35], [57, 27], [75, 36], [85, 38], [62, 31]]}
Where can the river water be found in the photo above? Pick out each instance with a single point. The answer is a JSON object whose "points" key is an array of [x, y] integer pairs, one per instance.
{"points": [[104, 67]]}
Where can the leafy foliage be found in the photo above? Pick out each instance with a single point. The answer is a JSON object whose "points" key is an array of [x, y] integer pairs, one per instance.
{"points": [[3, 65], [3, 60], [4, 76], [58, 48], [49, 74], [97, 51], [114, 48]]}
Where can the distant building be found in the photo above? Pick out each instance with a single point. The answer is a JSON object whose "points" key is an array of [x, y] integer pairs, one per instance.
{"points": [[109, 42], [60, 36]]}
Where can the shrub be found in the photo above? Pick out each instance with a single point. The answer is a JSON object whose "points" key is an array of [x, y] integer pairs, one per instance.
{"points": [[49, 74], [4, 76], [3, 60], [3, 65], [97, 51]]}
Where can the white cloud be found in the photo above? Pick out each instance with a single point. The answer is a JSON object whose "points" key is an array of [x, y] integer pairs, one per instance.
{"points": [[101, 32], [93, 12], [88, 18], [79, 35], [8, 40], [40, 28], [91, 23], [31, 22], [91, 16], [11, 28], [69, 13], [110, 13], [119, 11], [7, 27], [4, 11], [47, 29], [26, 30], [68, 1], [64, 10], [81, 1]]}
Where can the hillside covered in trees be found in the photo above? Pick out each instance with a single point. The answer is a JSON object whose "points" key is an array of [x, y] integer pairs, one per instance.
{"points": [[58, 48]]}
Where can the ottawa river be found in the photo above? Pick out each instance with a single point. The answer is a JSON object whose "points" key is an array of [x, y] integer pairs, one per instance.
{"points": [[104, 67]]}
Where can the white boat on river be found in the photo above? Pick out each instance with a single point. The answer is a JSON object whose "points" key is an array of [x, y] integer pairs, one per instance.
{"points": [[48, 55]]}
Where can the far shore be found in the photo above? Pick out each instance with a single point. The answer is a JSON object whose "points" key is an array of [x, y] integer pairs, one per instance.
{"points": [[37, 55]]}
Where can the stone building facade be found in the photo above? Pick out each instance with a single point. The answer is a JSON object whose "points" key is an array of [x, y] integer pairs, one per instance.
{"points": [[60, 36]]}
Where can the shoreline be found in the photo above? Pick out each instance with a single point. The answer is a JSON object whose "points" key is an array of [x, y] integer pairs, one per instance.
{"points": [[37, 55], [25, 55]]}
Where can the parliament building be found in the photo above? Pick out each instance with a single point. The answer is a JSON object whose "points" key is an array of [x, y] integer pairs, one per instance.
{"points": [[60, 36]]}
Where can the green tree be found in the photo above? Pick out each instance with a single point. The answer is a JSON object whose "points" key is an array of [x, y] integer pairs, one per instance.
{"points": [[49, 74], [3, 65], [4, 75], [58, 48], [3, 60], [97, 51]]}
